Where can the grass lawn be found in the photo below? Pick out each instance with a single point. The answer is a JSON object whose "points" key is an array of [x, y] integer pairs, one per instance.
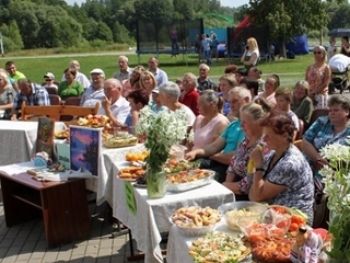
{"points": [[34, 68]]}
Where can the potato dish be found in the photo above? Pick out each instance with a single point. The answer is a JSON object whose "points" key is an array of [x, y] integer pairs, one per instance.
{"points": [[131, 173], [195, 217], [233, 217]]}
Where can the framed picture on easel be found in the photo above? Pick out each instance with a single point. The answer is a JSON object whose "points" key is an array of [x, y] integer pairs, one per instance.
{"points": [[45, 136], [85, 148]]}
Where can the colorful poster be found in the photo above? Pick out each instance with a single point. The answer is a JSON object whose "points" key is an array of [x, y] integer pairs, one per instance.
{"points": [[45, 136], [85, 148]]}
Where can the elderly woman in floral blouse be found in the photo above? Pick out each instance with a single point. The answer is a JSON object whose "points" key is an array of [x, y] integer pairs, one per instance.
{"points": [[237, 175]]}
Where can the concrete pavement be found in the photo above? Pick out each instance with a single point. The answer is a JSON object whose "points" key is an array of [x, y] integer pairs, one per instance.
{"points": [[25, 243]]}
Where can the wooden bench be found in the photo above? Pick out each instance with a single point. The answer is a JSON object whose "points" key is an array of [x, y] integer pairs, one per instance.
{"points": [[56, 111]]}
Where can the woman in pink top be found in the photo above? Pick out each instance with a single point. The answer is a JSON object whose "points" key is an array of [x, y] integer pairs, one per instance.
{"points": [[210, 123], [129, 84]]}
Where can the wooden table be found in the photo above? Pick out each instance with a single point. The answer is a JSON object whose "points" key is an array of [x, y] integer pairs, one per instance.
{"points": [[62, 205]]}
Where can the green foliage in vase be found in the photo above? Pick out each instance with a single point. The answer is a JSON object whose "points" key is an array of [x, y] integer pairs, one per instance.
{"points": [[336, 178], [162, 131]]}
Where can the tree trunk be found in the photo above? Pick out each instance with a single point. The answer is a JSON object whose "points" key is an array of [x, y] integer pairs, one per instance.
{"points": [[283, 50]]}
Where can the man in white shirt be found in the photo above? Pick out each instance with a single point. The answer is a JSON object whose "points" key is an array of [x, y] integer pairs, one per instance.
{"points": [[124, 70], [115, 106], [159, 74], [95, 92], [74, 64]]}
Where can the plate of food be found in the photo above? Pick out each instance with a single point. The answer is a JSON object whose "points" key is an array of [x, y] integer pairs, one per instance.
{"points": [[62, 134], [188, 180], [195, 220], [220, 247], [233, 212], [173, 166], [131, 173], [119, 142], [93, 121]]}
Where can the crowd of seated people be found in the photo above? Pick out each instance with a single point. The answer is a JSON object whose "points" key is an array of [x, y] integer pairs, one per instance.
{"points": [[228, 119]]}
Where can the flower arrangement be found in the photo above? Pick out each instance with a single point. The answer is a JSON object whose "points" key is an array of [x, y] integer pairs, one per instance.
{"points": [[336, 178], [162, 131]]}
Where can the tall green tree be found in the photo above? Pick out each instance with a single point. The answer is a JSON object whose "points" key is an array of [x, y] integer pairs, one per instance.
{"points": [[341, 18], [286, 19]]}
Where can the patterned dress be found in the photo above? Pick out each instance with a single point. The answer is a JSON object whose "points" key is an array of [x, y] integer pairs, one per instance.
{"points": [[293, 171], [315, 77], [239, 162]]}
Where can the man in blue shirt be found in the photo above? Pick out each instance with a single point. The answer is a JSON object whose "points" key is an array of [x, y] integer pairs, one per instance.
{"points": [[30, 93], [159, 74]]}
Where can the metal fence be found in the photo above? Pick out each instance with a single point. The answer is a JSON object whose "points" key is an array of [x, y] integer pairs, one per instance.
{"points": [[174, 37]]}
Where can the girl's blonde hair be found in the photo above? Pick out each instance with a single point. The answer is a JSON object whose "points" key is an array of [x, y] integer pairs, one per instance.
{"points": [[146, 74]]}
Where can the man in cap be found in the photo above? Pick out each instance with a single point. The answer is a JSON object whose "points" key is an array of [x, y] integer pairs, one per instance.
{"points": [[49, 81], [95, 92]]}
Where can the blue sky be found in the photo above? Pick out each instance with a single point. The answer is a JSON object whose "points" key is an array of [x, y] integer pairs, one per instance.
{"points": [[230, 3]]}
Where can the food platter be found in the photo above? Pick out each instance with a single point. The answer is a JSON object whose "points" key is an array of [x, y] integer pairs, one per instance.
{"points": [[220, 247], [194, 220], [130, 173], [96, 121], [188, 180], [120, 142]]}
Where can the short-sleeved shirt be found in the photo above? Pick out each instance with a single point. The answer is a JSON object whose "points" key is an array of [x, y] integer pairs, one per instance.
{"points": [[81, 78], [321, 133], [74, 90], [233, 135], [123, 75], [293, 171], [38, 97], [18, 75], [160, 76], [91, 97], [120, 110], [206, 84]]}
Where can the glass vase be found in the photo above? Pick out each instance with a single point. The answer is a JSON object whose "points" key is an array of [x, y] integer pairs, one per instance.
{"points": [[156, 184]]}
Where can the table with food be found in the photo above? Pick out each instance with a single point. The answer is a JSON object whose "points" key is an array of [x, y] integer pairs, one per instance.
{"points": [[244, 232], [186, 185]]}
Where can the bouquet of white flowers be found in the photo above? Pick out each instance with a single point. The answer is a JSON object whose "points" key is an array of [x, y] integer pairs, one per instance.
{"points": [[336, 178], [162, 130]]}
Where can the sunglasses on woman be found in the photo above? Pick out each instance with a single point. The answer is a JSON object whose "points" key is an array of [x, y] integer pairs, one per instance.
{"points": [[317, 52]]}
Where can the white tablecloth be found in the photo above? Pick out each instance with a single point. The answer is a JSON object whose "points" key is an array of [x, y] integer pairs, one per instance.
{"points": [[178, 244], [153, 214], [17, 139], [103, 186]]}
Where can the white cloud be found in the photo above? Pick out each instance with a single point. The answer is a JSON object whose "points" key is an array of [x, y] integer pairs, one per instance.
{"points": [[233, 3]]}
